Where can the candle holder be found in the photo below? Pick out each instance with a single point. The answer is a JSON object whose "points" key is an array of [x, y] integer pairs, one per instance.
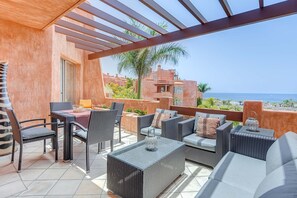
{"points": [[151, 140]]}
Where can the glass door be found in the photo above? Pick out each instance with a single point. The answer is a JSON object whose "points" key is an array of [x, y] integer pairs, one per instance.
{"points": [[68, 75]]}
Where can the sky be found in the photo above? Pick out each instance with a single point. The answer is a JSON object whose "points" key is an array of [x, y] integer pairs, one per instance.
{"points": [[258, 58]]}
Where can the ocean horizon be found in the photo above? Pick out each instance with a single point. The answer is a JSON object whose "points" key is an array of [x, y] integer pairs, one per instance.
{"points": [[265, 97]]}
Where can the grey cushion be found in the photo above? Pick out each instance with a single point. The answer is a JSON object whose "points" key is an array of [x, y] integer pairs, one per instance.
{"points": [[241, 171], [281, 151], [216, 189], [200, 142], [144, 131], [207, 115], [172, 113], [81, 134], [282, 182], [36, 132]]}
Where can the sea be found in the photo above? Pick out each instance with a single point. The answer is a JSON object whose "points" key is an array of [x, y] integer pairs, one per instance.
{"points": [[267, 97]]}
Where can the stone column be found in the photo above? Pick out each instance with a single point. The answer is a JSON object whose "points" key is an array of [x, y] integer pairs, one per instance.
{"points": [[5, 129]]}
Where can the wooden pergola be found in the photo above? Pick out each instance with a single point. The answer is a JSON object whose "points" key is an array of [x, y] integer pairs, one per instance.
{"points": [[113, 41]]}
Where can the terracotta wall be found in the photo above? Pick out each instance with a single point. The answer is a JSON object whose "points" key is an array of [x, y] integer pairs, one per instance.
{"points": [[190, 93], [280, 121], [145, 105], [34, 69], [29, 53]]}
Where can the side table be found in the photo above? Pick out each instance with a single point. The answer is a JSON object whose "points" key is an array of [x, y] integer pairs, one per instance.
{"points": [[261, 131]]}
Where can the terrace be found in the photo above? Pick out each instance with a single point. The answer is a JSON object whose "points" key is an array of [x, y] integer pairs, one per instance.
{"points": [[37, 38]]}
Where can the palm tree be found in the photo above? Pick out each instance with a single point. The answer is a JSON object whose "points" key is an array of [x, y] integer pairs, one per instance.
{"points": [[203, 87], [139, 62]]}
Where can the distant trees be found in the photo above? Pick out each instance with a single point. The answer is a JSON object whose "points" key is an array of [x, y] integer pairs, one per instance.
{"points": [[127, 91], [203, 87]]}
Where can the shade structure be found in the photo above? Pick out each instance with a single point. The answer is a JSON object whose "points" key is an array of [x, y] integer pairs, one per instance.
{"points": [[113, 41]]}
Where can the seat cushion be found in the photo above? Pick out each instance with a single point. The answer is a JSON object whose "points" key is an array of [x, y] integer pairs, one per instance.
{"points": [[282, 182], [172, 113], [207, 115], [80, 133], [215, 189], [281, 151], [241, 171], [36, 132], [144, 131], [200, 142]]}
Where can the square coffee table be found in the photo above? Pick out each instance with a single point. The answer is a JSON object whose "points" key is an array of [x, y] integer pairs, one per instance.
{"points": [[135, 172]]}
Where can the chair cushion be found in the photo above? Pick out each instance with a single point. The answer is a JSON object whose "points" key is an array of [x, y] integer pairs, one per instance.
{"points": [[215, 189], [36, 132], [172, 113], [144, 131], [281, 151], [207, 115], [207, 127], [85, 103], [158, 118], [282, 182], [241, 171], [200, 142], [80, 133]]}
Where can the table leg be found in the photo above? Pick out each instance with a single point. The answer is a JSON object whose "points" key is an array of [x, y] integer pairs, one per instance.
{"points": [[54, 128]]}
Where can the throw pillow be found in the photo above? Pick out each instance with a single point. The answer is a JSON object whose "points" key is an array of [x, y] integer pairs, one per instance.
{"points": [[206, 127], [158, 118]]}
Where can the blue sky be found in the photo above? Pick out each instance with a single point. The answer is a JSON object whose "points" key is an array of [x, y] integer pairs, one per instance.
{"points": [[258, 58]]}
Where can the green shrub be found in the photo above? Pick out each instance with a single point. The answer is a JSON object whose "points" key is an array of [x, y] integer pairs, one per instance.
{"points": [[129, 110], [140, 112]]}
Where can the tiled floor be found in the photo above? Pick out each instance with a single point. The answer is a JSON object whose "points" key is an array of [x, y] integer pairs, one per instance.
{"points": [[42, 177]]}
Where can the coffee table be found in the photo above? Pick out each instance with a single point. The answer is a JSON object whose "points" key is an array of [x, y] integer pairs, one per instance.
{"points": [[135, 172]]}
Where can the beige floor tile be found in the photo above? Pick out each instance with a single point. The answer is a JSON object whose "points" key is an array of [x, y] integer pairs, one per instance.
{"points": [[39, 188], [31, 174], [96, 174], [60, 165], [12, 188], [8, 177], [189, 194], [65, 187], [87, 196], [109, 194], [42, 164], [170, 195], [50, 174], [88, 187], [99, 163], [74, 173], [199, 171], [202, 180], [190, 184]]}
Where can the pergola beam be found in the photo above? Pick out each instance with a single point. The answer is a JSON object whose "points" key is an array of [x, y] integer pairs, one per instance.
{"points": [[226, 7], [261, 3], [162, 12], [107, 17], [83, 47], [135, 15], [270, 12], [80, 36], [82, 42], [193, 10], [99, 26], [84, 30]]}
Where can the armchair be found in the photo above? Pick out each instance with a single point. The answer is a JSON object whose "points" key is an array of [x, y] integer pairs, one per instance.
{"points": [[168, 127], [204, 150]]}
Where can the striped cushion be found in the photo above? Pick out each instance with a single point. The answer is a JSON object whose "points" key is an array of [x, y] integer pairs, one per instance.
{"points": [[206, 127], [158, 118]]}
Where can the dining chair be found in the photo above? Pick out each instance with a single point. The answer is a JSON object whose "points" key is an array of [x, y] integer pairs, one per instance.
{"points": [[60, 106], [31, 133], [100, 129], [120, 107]]}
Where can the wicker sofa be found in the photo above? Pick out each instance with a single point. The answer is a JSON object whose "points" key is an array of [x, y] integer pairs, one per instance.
{"points": [[167, 130], [203, 150], [256, 166]]}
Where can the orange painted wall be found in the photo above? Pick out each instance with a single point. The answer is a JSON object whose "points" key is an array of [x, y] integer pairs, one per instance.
{"points": [[34, 69], [280, 121], [29, 53]]}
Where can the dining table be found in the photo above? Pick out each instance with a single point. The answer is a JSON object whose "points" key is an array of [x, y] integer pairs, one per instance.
{"points": [[67, 116]]}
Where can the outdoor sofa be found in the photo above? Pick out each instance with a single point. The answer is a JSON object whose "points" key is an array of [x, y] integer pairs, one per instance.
{"points": [[204, 150], [168, 127], [256, 166]]}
